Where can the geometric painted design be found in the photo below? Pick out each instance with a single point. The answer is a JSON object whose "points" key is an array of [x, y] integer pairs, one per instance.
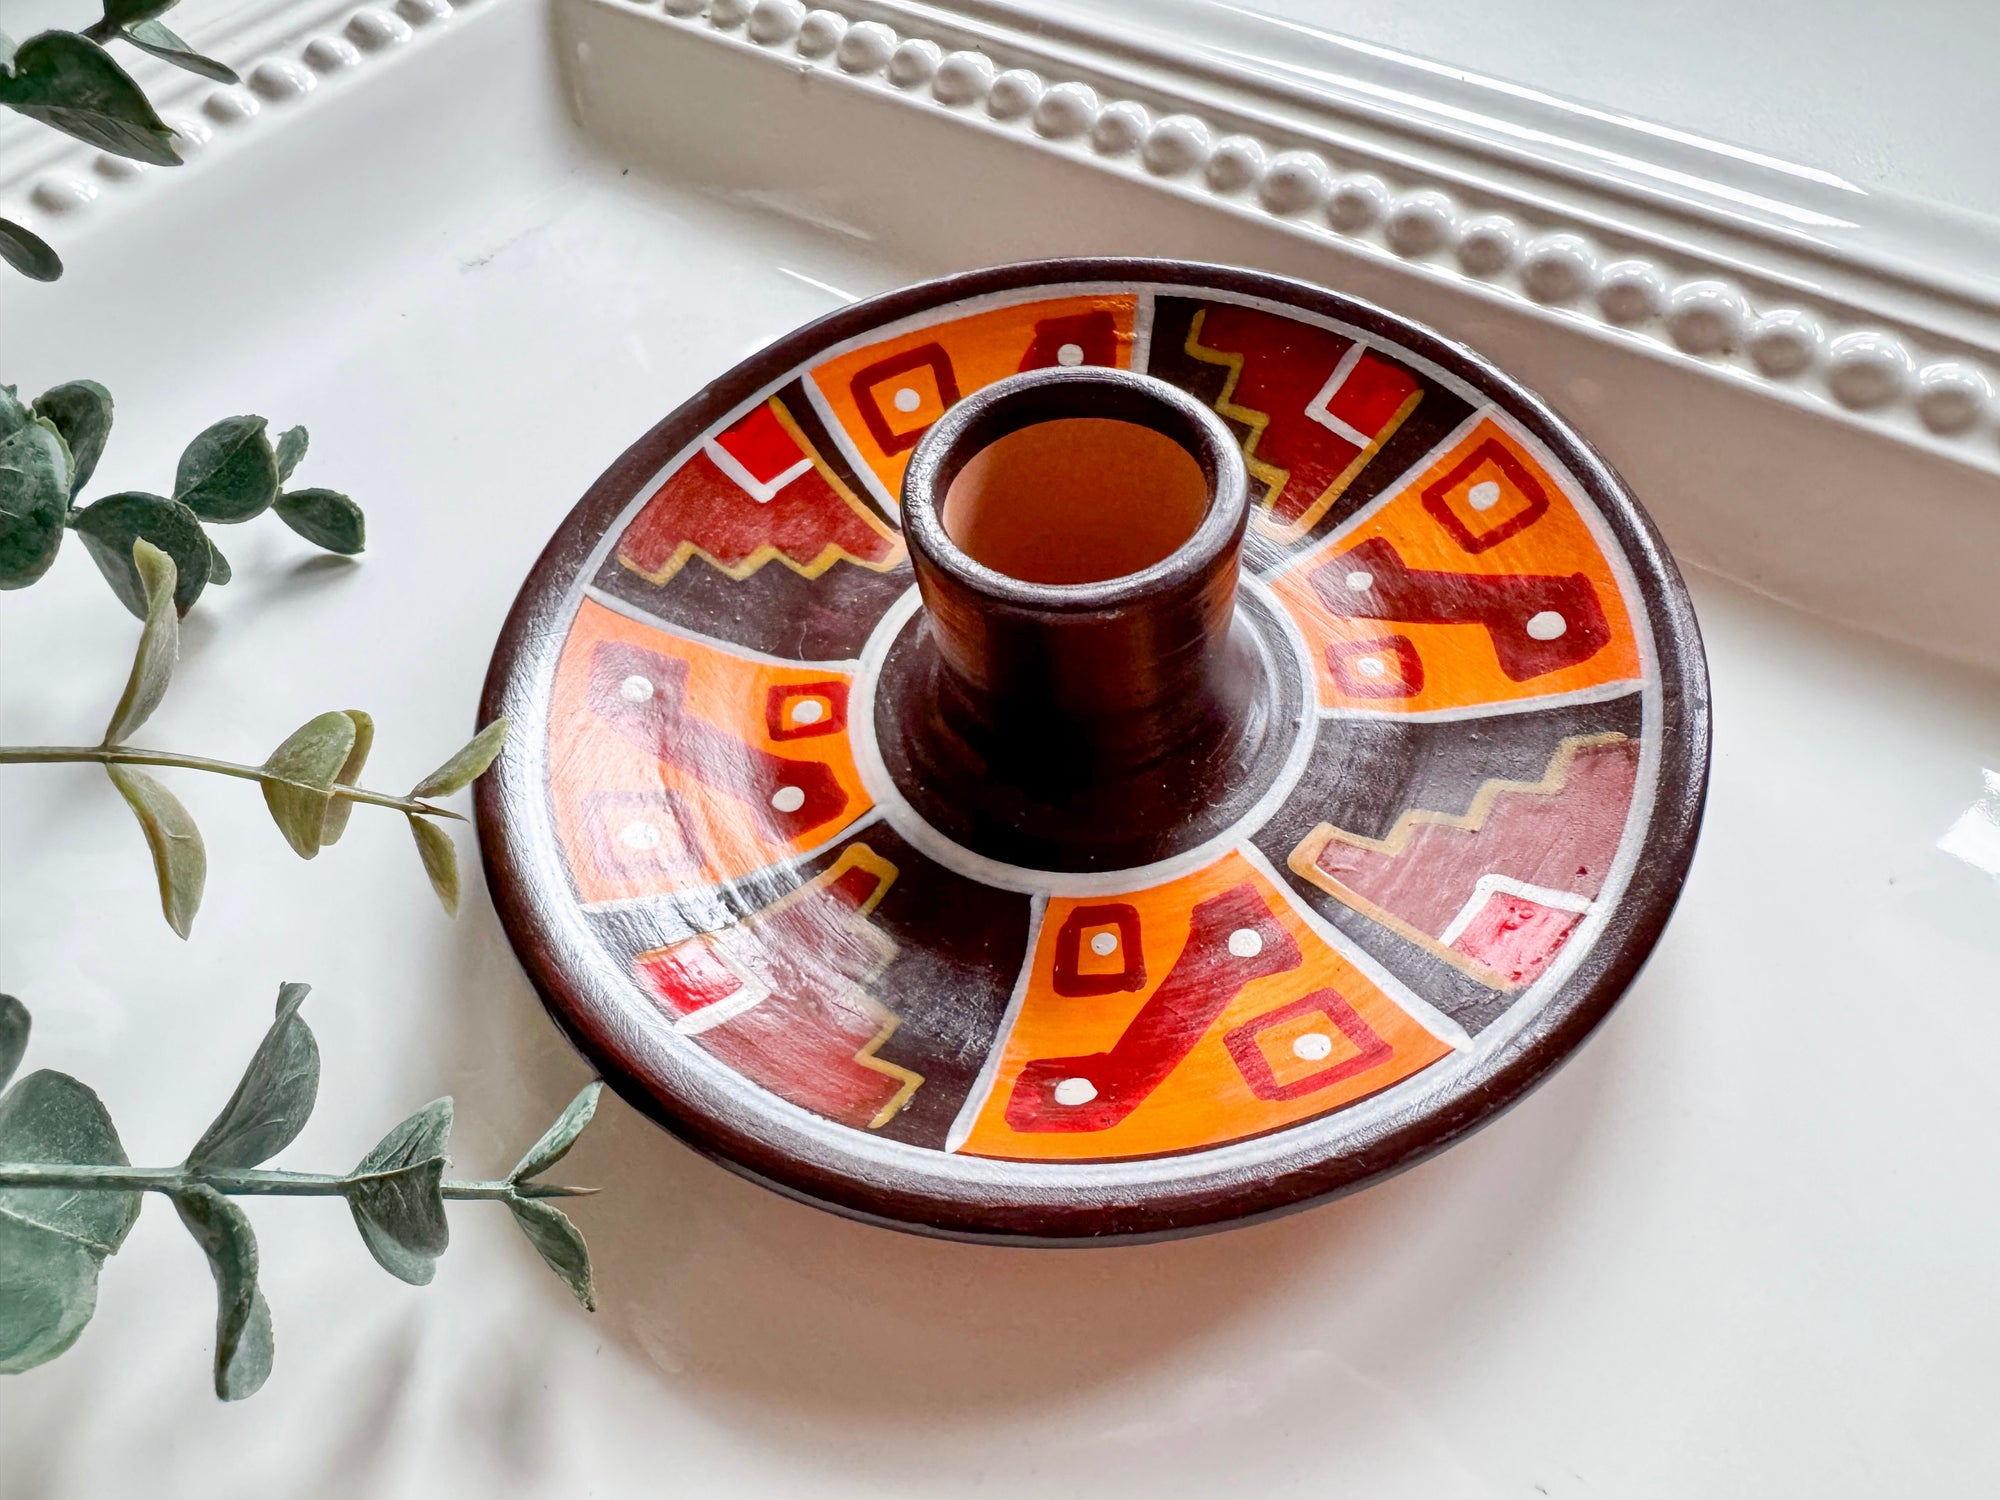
{"points": [[1475, 657], [884, 396], [756, 493], [1304, 1046], [1318, 407], [1376, 666], [807, 1032], [1099, 950], [1494, 890], [680, 734], [1496, 605], [1486, 497], [1162, 1067]]}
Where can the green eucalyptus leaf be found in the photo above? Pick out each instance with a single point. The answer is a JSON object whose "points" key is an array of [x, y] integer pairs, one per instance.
{"points": [[397, 1197], [69, 459], [219, 571], [467, 765], [559, 1244], [559, 1137], [48, 1291], [228, 473], [274, 1100], [53, 1240], [28, 253], [180, 862], [50, 1118], [242, 1319], [338, 808], [110, 526], [326, 518], [81, 411], [291, 448], [34, 502], [14, 1027], [154, 37], [307, 765], [14, 412], [159, 645], [70, 83], [440, 859]]}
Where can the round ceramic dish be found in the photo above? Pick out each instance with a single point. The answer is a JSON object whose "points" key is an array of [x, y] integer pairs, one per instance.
{"points": [[1481, 747]]}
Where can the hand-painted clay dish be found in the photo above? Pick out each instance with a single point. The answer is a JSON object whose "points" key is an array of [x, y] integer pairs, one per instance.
{"points": [[1094, 749]]}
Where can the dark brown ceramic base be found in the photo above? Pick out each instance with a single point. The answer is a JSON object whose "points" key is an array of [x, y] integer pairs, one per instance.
{"points": [[1375, 858]]}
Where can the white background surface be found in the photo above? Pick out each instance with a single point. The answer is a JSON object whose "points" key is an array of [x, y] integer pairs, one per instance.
{"points": [[1740, 1246]]}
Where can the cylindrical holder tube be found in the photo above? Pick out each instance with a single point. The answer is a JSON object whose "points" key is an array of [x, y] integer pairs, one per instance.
{"points": [[1079, 725]]}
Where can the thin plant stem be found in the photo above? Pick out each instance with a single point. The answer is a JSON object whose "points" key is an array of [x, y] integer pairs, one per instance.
{"points": [[129, 755], [87, 1178]]}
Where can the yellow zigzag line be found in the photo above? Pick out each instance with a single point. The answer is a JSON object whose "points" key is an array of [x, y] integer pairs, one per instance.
{"points": [[830, 554], [1304, 860], [1275, 479], [863, 857], [1553, 780], [867, 1058]]}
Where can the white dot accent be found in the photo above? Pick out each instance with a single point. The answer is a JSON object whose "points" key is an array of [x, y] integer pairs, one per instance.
{"points": [[1070, 354], [1483, 495], [639, 836], [1245, 943], [1104, 944], [636, 689], [1370, 666], [1313, 1046], [788, 799], [907, 399], [1360, 581], [1074, 1091], [1547, 625], [808, 711]]}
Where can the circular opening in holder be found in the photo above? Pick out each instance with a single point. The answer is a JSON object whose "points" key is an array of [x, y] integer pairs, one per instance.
{"points": [[1074, 489], [1075, 500]]}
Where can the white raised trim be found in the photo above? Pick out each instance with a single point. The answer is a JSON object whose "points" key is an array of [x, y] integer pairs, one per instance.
{"points": [[1726, 272], [1756, 270]]}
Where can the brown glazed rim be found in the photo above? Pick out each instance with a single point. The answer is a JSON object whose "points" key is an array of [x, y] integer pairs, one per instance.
{"points": [[1006, 406], [929, 1192]]}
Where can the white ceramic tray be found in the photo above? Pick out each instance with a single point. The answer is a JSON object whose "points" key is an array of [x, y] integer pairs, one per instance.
{"points": [[1741, 1245]]}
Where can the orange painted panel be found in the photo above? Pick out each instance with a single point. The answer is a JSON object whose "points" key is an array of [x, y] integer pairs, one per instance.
{"points": [[885, 396], [674, 764], [1242, 1020], [1476, 582]]}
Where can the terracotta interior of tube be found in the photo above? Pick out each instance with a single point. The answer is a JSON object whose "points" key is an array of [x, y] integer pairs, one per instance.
{"points": [[1075, 500]]}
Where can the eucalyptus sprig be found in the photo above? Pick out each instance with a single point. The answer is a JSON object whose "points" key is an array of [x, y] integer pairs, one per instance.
{"points": [[69, 1195], [308, 780], [231, 472], [67, 80]]}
